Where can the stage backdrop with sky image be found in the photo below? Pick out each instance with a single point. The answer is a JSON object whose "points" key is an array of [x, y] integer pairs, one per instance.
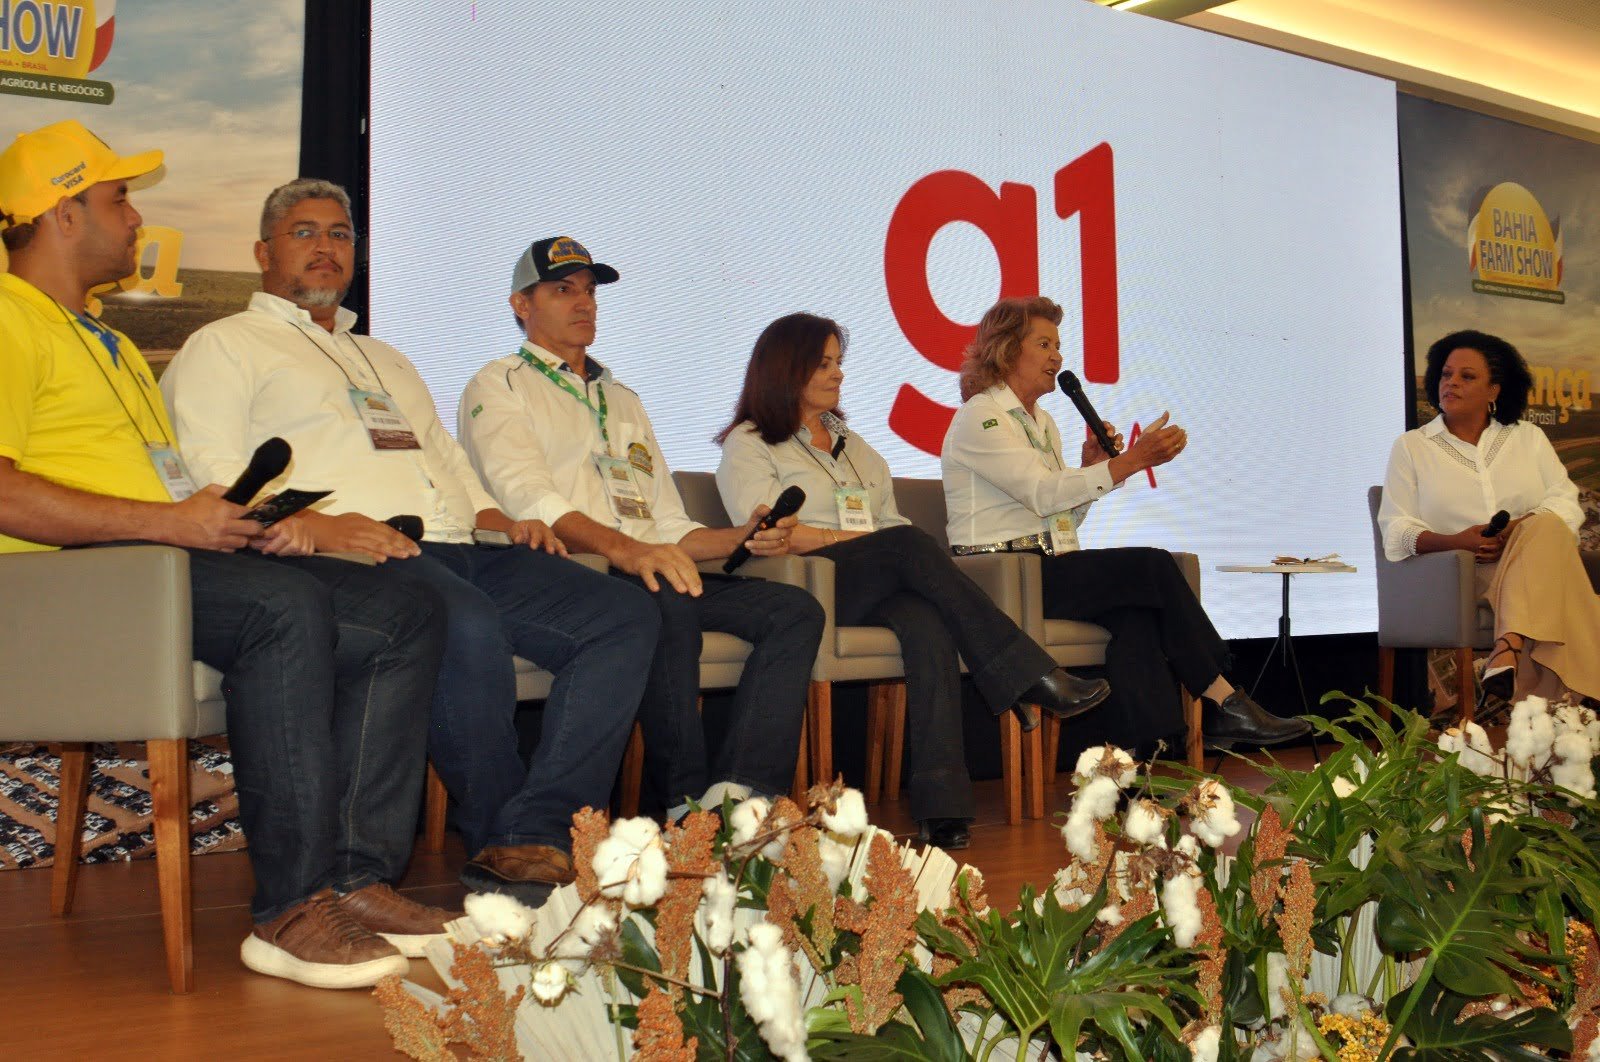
{"points": [[1501, 223]]}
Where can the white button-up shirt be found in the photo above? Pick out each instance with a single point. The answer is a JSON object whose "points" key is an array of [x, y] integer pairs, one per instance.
{"points": [[534, 445], [1438, 483], [1004, 471], [754, 473], [271, 370]]}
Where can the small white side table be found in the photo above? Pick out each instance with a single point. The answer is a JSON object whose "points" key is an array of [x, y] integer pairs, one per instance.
{"points": [[1284, 639]]}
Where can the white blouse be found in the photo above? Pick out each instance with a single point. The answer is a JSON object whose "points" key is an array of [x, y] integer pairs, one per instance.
{"points": [[754, 473], [1438, 483], [1004, 471]]}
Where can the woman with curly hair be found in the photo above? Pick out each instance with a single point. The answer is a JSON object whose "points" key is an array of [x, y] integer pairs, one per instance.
{"points": [[1008, 489], [1446, 481]]}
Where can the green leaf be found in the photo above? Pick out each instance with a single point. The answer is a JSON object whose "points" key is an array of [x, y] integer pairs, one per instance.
{"points": [[1437, 1034], [933, 1038], [1465, 920]]}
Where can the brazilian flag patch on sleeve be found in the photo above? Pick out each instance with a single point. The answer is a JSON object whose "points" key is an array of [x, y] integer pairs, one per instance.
{"points": [[990, 423]]}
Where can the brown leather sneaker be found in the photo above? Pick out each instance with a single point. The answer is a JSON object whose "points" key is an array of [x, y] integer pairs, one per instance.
{"points": [[405, 923], [526, 872], [316, 943]]}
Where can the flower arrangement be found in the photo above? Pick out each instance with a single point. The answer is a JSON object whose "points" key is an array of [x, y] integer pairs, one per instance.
{"points": [[1415, 896]]}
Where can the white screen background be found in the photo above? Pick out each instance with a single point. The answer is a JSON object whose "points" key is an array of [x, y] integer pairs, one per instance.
{"points": [[737, 162]]}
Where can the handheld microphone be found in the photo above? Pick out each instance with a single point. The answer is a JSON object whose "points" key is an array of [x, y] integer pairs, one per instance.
{"points": [[1497, 524], [788, 504], [1068, 381], [409, 526], [266, 465]]}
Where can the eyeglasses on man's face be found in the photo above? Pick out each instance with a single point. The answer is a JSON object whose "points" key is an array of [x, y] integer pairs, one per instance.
{"points": [[310, 234]]}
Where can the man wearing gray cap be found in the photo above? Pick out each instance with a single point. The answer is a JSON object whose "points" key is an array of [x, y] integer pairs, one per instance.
{"points": [[556, 437], [362, 423]]}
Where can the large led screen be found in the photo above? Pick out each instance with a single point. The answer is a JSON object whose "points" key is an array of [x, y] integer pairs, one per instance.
{"points": [[1221, 222]]}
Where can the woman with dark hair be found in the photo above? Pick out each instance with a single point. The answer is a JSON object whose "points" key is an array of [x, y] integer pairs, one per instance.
{"points": [[787, 430], [1446, 481], [1008, 489]]}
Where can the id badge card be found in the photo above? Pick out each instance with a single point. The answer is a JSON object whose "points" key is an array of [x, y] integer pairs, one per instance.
{"points": [[1062, 530], [855, 508], [386, 426], [627, 501], [169, 465]]}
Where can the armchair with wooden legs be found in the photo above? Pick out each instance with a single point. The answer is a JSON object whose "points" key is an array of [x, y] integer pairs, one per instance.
{"points": [[1430, 601], [1069, 642], [95, 646]]}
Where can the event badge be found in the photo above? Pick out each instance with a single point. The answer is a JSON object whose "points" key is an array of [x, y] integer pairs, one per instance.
{"points": [[168, 464], [1062, 530], [627, 501], [386, 426], [855, 508]]}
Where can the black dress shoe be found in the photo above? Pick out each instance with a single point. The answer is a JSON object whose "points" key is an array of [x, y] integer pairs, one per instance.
{"points": [[1064, 695], [1027, 715], [949, 834], [1239, 719]]}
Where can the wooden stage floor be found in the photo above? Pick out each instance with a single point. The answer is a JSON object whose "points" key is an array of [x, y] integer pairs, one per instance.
{"points": [[93, 985]]}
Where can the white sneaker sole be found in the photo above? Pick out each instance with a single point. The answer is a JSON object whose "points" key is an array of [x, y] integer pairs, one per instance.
{"points": [[269, 959], [411, 946]]}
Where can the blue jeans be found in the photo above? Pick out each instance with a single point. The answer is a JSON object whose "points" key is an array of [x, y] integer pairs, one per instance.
{"points": [[783, 625], [592, 632], [328, 668]]}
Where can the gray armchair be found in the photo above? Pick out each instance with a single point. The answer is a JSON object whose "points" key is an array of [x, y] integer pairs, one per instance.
{"points": [[95, 646], [1430, 601]]}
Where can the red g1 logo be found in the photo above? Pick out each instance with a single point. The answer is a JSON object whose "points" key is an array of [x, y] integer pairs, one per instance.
{"points": [[1084, 187]]}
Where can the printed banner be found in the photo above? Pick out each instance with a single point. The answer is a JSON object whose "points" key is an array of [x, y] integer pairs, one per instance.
{"points": [[1501, 233], [216, 86]]}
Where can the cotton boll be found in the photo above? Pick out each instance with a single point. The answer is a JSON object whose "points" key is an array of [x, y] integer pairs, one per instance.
{"points": [[1079, 834], [746, 819], [1097, 798], [1214, 820], [1530, 732], [1277, 984], [1109, 914], [771, 994], [1105, 761], [1206, 1045], [849, 815], [498, 917], [631, 863], [1181, 909], [550, 982], [720, 900], [1145, 823], [835, 860], [1478, 756], [1350, 1004]]}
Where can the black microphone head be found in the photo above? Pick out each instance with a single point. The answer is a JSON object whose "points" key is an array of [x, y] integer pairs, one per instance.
{"points": [[409, 526], [788, 503], [1067, 380], [1497, 524], [270, 459]]}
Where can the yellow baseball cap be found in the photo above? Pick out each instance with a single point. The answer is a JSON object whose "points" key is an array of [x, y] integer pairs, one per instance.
{"points": [[60, 160]]}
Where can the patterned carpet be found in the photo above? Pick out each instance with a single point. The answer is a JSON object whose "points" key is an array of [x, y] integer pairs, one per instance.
{"points": [[117, 822]]}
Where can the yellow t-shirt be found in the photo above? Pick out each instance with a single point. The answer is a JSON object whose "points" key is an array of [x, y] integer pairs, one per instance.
{"points": [[67, 413]]}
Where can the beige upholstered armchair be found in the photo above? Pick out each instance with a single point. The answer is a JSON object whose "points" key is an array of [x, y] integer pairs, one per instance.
{"points": [[1069, 642]]}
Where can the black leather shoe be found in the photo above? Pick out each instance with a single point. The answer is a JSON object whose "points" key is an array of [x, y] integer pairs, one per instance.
{"points": [[1064, 695], [949, 834], [1239, 719], [1027, 715]]}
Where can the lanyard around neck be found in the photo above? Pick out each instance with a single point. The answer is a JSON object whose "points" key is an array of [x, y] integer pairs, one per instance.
{"points": [[581, 396], [109, 341], [1033, 440], [811, 452], [337, 364]]}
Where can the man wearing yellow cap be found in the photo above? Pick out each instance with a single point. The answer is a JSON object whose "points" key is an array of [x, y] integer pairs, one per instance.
{"points": [[328, 667]]}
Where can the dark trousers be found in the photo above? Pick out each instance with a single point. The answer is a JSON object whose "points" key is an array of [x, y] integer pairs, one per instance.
{"points": [[328, 668], [783, 624], [591, 632], [901, 579], [1160, 635]]}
